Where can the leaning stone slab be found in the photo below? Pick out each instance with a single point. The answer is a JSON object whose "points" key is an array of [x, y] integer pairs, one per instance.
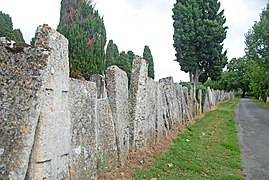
{"points": [[50, 154], [107, 155], [137, 100], [117, 89], [172, 102], [83, 152], [162, 122], [151, 111], [24, 84]]}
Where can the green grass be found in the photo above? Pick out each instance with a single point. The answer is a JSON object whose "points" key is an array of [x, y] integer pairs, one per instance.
{"points": [[266, 105], [209, 149]]}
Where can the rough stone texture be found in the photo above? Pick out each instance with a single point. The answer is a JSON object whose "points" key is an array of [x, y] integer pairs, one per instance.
{"points": [[151, 111], [21, 80], [83, 153], [50, 153], [117, 87], [173, 110], [180, 102], [137, 101], [54, 127], [162, 124], [107, 156], [187, 115]]}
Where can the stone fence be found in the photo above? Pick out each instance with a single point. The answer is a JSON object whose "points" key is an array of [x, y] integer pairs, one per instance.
{"points": [[56, 127]]}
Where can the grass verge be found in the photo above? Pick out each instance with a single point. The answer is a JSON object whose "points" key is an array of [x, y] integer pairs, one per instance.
{"points": [[209, 149], [266, 105]]}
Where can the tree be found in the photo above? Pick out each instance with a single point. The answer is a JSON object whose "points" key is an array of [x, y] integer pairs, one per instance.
{"points": [[82, 25], [131, 56], [112, 53], [6, 28], [124, 63], [239, 77], [199, 33], [148, 57], [257, 51]]}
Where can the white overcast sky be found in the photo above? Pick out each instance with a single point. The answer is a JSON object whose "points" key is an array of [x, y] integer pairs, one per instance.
{"points": [[132, 24]]}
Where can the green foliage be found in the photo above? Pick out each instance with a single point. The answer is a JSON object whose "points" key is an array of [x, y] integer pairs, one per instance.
{"points": [[148, 57], [113, 57], [209, 149], [6, 28], [124, 63], [131, 56], [199, 33], [236, 78], [112, 53], [82, 25], [257, 50]]}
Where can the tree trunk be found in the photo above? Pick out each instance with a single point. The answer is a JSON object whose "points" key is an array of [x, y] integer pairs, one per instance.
{"points": [[243, 94], [190, 75]]}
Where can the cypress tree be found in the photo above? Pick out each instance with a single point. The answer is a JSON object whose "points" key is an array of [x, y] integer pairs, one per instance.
{"points": [[148, 57], [82, 25], [112, 53], [199, 33], [6, 28]]}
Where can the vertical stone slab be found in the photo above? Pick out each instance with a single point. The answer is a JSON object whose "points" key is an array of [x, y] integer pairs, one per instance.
{"points": [[151, 111], [50, 156], [207, 103], [180, 101], [21, 78], [187, 115], [137, 100], [192, 101], [162, 126], [83, 153], [117, 89], [107, 155], [172, 103]]}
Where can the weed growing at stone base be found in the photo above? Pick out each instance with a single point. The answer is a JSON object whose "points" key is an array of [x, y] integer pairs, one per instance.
{"points": [[208, 149]]}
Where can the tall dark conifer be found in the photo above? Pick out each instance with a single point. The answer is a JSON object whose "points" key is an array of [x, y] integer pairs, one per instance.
{"points": [[199, 32], [148, 57], [84, 28], [6, 28], [112, 53]]}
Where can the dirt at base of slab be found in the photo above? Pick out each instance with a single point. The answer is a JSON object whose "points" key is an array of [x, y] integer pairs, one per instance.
{"points": [[142, 158]]}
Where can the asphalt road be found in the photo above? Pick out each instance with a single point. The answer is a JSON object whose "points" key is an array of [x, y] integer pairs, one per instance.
{"points": [[253, 132]]}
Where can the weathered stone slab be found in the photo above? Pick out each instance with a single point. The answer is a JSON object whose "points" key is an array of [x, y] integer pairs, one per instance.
{"points": [[180, 101], [187, 115], [21, 81], [117, 87], [107, 155], [83, 153], [52, 137], [151, 111], [172, 102], [137, 100], [162, 123]]}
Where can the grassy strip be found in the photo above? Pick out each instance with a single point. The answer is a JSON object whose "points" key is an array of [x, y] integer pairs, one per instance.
{"points": [[266, 105], [209, 149]]}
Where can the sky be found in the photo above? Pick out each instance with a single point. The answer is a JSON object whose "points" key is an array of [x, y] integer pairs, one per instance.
{"points": [[132, 24]]}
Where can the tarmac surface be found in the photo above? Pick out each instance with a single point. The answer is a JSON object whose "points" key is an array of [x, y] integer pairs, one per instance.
{"points": [[252, 121]]}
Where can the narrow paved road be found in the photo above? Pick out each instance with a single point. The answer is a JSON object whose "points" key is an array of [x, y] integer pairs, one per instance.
{"points": [[253, 132]]}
